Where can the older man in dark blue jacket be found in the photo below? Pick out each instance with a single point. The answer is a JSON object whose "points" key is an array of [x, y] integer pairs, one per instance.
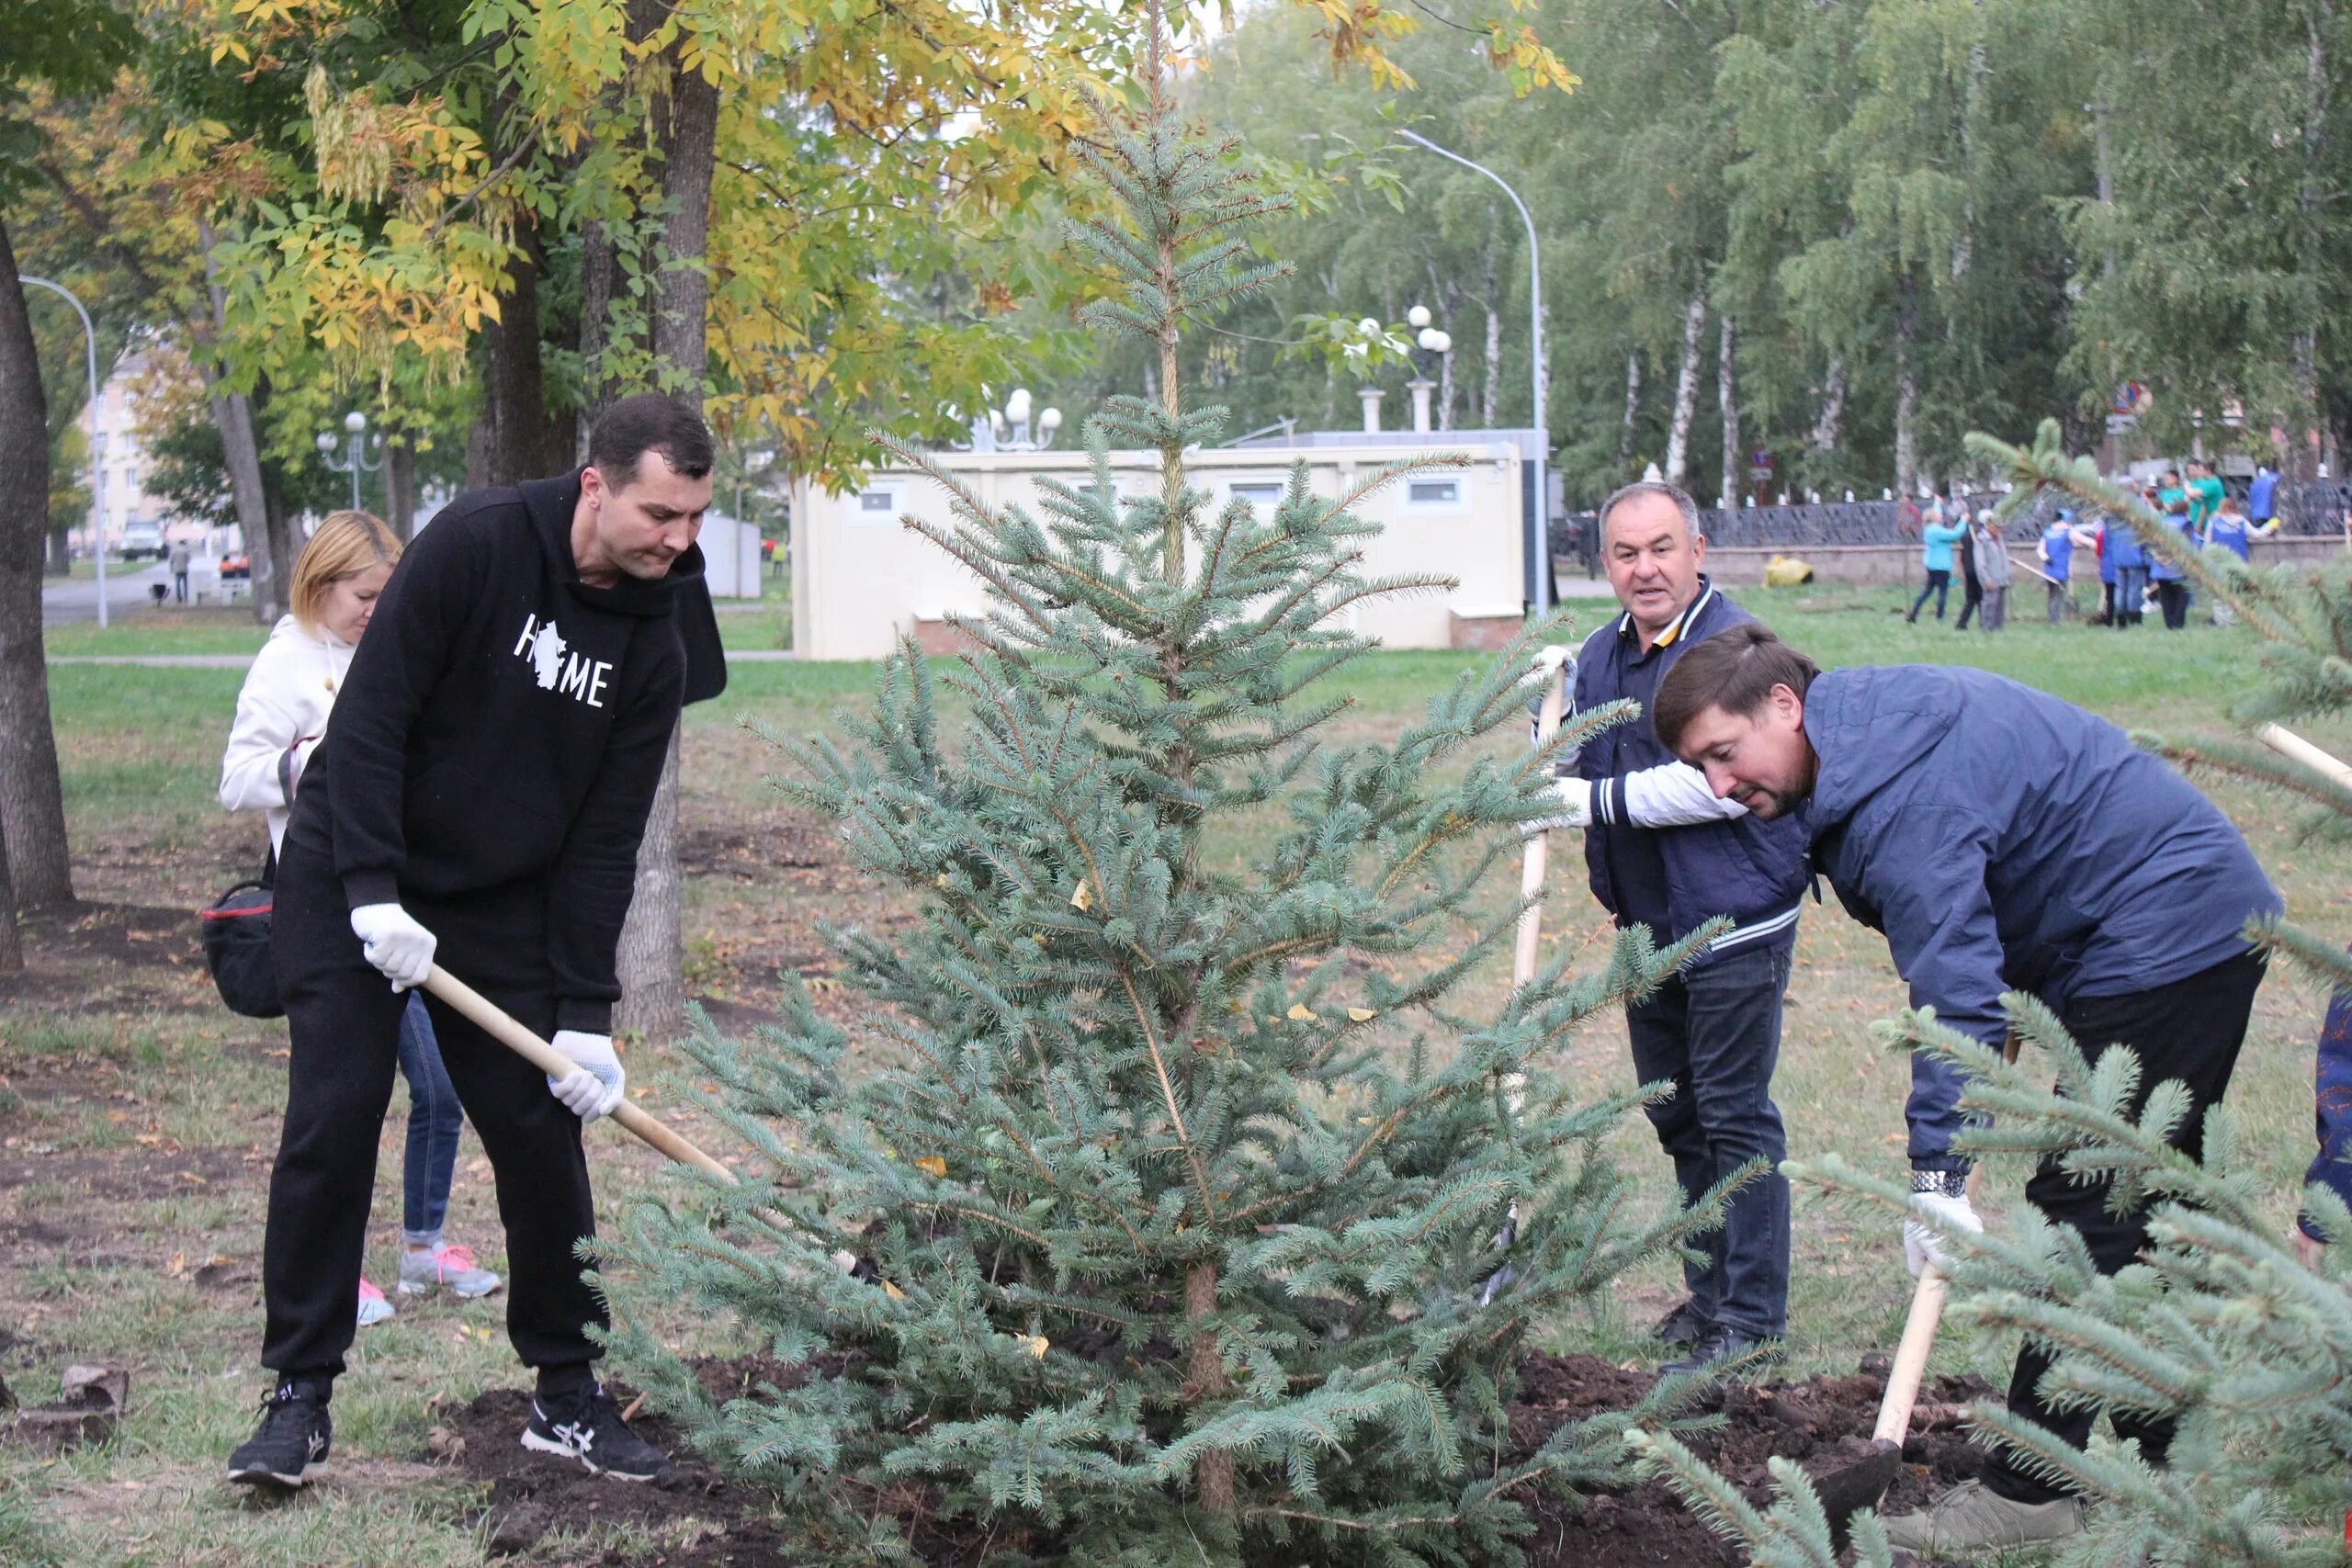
{"points": [[2003, 839], [1666, 852]]}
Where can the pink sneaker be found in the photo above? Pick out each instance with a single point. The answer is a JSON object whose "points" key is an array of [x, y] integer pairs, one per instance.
{"points": [[373, 1308], [421, 1273]]}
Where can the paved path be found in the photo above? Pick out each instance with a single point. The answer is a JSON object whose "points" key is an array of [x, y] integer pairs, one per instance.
{"points": [[73, 599]]}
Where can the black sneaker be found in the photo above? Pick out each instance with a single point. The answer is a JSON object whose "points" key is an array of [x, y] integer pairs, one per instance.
{"points": [[1684, 1327], [290, 1446], [1719, 1343], [587, 1425]]}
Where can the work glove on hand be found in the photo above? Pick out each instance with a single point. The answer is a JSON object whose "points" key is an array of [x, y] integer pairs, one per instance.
{"points": [[400, 949], [1921, 1245], [1576, 796], [595, 1088]]}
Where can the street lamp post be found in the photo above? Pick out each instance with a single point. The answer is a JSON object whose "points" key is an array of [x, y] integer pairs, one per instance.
{"points": [[354, 453], [1538, 541], [98, 474]]}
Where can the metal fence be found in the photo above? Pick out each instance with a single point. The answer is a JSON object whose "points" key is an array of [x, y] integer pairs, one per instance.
{"points": [[2316, 508]]}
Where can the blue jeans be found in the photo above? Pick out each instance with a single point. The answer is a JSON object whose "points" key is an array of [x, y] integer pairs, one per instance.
{"points": [[1715, 1033], [433, 1118]]}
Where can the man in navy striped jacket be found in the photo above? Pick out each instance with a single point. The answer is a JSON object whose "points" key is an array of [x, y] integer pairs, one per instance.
{"points": [[1664, 851]]}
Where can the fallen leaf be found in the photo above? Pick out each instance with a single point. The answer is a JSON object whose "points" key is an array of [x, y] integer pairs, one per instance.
{"points": [[1035, 1344], [1084, 897], [1298, 1014], [932, 1164], [1361, 1015], [893, 1291]]}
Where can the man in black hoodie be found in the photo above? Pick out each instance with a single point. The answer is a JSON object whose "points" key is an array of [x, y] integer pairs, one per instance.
{"points": [[485, 780]]}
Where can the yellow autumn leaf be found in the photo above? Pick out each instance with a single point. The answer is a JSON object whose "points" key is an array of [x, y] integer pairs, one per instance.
{"points": [[1035, 1344], [1084, 897], [932, 1164], [893, 1291], [1298, 1013], [1361, 1015]]}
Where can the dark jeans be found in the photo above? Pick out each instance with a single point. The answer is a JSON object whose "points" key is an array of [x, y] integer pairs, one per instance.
{"points": [[1715, 1032], [2189, 1031], [179, 586], [433, 1118], [1975, 597], [344, 1024], [2173, 596], [1938, 584]]}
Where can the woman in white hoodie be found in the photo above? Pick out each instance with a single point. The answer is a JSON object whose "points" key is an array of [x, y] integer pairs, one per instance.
{"points": [[281, 715]]}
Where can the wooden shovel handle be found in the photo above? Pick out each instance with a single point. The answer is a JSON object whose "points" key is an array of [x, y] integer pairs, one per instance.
{"points": [[2286, 743], [501, 1026], [1911, 1358], [1531, 864]]}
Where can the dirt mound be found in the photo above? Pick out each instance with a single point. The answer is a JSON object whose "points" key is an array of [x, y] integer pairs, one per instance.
{"points": [[700, 1519], [1820, 1423], [697, 1518]]}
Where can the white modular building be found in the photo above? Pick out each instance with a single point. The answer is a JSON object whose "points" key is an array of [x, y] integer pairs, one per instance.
{"points": [[861, 580]]}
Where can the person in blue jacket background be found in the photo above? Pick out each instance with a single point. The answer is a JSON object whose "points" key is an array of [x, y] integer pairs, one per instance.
{"points": [[2172, 582], [2119, 550], [2002, 840], [2057, 552], [1936, 537], [1665, 851]]}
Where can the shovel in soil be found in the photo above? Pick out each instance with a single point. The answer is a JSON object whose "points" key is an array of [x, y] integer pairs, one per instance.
{"points": [[1859, 1484]]}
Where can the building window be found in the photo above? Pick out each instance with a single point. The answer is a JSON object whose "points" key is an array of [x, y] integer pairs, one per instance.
{"points": [[876, 506], [1257, 492], [1432, 495]]}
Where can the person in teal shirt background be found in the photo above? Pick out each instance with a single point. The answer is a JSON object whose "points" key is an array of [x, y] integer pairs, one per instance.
{"points": [[1936, 537], [2205, 492]]}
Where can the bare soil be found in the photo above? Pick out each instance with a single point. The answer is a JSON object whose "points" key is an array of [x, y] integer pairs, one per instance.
{"points": [[1821, 1422]]}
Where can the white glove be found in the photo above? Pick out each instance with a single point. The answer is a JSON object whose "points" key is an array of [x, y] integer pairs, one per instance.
{"points": [[400, 949], [595, 1088], [1921, 1245], [1576, 796]]}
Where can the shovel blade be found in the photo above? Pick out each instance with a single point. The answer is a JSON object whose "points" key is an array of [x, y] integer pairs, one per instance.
{"points": [[1856, 1485]]}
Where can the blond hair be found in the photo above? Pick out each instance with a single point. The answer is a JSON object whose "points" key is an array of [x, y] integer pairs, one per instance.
{"points": [[345, 545]]}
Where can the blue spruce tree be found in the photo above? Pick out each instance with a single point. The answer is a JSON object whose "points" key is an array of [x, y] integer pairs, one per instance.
{"points": [[1172, 1191]]}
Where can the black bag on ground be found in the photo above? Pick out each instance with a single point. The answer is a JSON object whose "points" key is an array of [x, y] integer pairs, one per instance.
{"points": [[236, 945]]}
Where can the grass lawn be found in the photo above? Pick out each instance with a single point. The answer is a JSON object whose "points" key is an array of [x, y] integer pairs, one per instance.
{"points": [[137, 1117]]}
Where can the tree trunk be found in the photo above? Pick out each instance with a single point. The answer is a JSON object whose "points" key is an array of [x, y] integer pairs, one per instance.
{"points": [[1491, 396], [1906, 391], [1727, 403], [34, 866], [399, 485], [1214, 1471], [653, 949], [232, 416], [1686, 385], [1828, 425], [2311, 197], [1633, 406], [521, 442], [599, 282]]}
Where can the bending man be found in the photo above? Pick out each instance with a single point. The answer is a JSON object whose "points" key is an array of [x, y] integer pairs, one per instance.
{"points": [[2002, 840]]}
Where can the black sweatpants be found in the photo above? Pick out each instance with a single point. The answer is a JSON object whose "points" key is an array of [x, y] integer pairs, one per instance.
{"points": [[2189, 1031], [344, 1021]]}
